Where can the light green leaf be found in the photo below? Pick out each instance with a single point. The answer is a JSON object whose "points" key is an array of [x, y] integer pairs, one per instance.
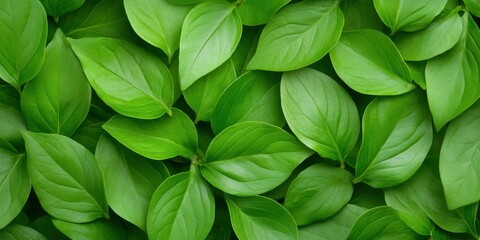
{"points": [[408, 15], [258, 218], [57, 100], [318, 192], [66, 178], [251, 158], [130, 180], [210, 33], [446, 98], [320, 113], [254, 12], [101, 229], [57, 8], [360, 14], [391, 156], [254, 96], [203, 95], [19, 232], [131, 80], [182, 207], [159, 139], [23, 24], [298, 35], [14, 185], [418, 73], [158, 22], [368, 62]]}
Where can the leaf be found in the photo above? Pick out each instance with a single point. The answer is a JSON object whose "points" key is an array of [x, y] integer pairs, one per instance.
{"points": [[360, 14], [57, 100], [418, 73], [57, 8], [260, 218], [101, 229], [438, 37], [460, 159], [473, 6], [182, 207], [245, 49], [88, 133], [130, 180], [318, 192], [446, 98], [44, 225], [298, 35], [66, 178], [255, 13], [369, 63], [210, 33], [408, 15], [129, 79], [254, 96], [320, 113], [12, 124], [205, 92], [23, 24], [334, 228], [19, 232], [251, 158], [469, 215], [14, 185], [158, 22], [381, 223], [392, 155], [159, 139]]}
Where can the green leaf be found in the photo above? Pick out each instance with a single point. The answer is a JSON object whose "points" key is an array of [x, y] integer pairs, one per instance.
{"points": [[57, 8], [251, 158], [12, 124], [473, 6], [159, 139], [245, 49], [130, 180], [14, 185], [369, 63], [318, 192], [259, 218], [391, 156], [44, 225], [334, 228], [203, 95], [254, 96], [57, 100], [158, 22], [19, 232], [446, 98], [101, 229], [438, 37], [182, 207], [298, 35], [210, 33], [320, 113], [88, 134], [418, 73], [381, 223], [23, 24], [66, 178], [131, 80], [360, 14], [460, 159], [254, 12], [469, 215], [408, 15]]}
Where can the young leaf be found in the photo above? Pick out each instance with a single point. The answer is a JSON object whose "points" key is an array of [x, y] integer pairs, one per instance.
{"points": [[101, 229], [260, 218], [251, 158], [392, 155], [205, 92], [255, 13], [210, 33], [130, 180], [23, 24], [298, 35], [19, 232], [408, 15], [320, 113], [182, 207], [131, 80], [318, 192], [254, 96], [159, 139], [446, 98], [14, 185], [459, 159], [57, 8], [158, 22], [57, 100], [368, 62], [66, 178]]}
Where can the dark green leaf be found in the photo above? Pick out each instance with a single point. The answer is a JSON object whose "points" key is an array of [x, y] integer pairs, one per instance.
{"points": [[19, 232], [360, 14], [44, 225], [12, 123], [56, 8], [101, 229], [473, 6], [254, 12]]}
